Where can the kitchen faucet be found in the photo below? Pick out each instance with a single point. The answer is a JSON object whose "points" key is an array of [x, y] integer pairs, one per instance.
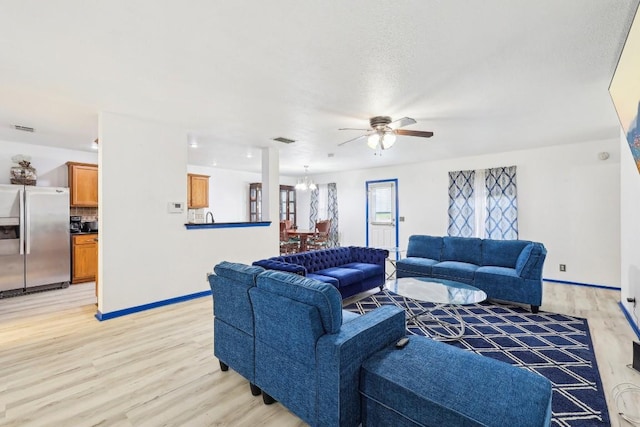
{"points": [[207, 217]]}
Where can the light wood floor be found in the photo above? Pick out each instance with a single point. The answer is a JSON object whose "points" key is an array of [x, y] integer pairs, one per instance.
{"points": [[59, 366]]}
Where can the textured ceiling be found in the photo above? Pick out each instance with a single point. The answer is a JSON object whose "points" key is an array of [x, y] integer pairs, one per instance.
{"points": [[486, 76]]}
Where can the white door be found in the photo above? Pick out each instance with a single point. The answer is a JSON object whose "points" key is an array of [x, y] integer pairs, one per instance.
{"points": [[382, 206]]}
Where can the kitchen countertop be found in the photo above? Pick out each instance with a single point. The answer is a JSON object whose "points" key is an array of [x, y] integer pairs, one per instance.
{"points": [[227, 225], [83, 232]]}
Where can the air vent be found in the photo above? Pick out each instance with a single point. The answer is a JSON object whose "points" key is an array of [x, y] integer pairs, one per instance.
{"points": [[284, 140], [24, 128]]}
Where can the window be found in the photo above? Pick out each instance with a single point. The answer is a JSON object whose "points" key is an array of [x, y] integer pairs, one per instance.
{"points": [[381, 205], [483, 203]]}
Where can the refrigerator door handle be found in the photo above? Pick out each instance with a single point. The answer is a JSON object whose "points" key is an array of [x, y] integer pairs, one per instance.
{"points": [[22, 227], [27, 235]]}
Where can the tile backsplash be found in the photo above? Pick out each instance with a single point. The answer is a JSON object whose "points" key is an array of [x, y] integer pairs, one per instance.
{"points": [[87, 214]]}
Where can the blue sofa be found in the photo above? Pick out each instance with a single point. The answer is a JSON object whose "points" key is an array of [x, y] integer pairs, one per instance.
{"points": [[233, 322], [308, 351], [508, 270], [350, 269], [289, 336]]}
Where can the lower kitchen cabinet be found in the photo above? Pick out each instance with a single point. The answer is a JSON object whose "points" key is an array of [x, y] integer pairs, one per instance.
{"points": [[84, 258]]}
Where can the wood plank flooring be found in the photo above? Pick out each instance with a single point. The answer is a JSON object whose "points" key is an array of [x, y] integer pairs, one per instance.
{"points": [[59, 366]]}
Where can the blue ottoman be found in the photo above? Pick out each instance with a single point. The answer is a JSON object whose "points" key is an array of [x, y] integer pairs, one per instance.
{"points": [[429, 383]]}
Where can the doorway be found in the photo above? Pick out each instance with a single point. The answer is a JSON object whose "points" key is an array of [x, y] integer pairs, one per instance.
{"points": [[382, 212]]}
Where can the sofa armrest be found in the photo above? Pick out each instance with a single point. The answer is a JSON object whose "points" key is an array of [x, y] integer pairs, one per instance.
{"points": [[530, 262], [339, 357], [369, 255], [270, 264]]}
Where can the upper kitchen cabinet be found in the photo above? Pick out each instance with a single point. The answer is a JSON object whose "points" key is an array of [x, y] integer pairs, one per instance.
{"points": [[83, 184], [197, 191]]}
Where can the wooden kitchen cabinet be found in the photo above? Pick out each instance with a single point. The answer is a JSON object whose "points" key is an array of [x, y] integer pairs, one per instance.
{"points": [[83, 184], [84, 258], [197, 191]]}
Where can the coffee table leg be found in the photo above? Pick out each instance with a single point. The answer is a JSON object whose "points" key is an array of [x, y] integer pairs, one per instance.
{"points": [[423, 317]]}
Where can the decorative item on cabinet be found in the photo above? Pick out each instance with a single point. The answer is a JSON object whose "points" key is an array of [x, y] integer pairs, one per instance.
{"points": [[84, 258], [197, 191], [24, 174], [83, 184]]}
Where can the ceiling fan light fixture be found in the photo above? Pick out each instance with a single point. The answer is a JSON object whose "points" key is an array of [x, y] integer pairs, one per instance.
{"points": [[388, 139], [373, 140]]}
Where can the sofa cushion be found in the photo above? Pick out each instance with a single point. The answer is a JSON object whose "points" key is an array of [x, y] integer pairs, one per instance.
{"points": [[454, 270], [505, 284], [345, 276], [425, 247], [238, 272], [369, 270], [348, 316], [462, 249], [230, 285], [324, 279], [461, 388], [323, 296], [502, 253], [415, 265]]}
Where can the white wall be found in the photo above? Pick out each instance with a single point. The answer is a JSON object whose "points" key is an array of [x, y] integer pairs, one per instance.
{"points": [[50, 163], [629, 230], [146, 254], [568, 199]]}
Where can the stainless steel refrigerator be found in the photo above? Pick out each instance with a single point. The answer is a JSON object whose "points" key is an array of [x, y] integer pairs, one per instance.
{"points": [[34, 239]]}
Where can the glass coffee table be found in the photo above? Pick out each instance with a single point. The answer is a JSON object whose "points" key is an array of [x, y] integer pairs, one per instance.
{"points": [[447, 295]]}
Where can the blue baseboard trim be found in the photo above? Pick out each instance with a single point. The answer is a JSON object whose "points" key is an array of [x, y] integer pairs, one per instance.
{"points": [[118, 313], [629, 319], [590, 285]]}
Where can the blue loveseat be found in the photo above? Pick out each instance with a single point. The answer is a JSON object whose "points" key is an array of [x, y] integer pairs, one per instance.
{"points": [[508, 270], [350, 269]]}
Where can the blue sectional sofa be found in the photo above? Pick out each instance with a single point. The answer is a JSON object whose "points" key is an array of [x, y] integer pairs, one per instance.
{"points": [[508, 270], [350, 269], [289, 336]]}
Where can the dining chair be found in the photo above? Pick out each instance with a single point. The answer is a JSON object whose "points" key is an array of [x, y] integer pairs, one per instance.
{"points": [[287, 244], [320, 240]]}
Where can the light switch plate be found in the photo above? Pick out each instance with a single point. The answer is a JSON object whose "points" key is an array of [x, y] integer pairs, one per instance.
{"points": [[175, 207]]}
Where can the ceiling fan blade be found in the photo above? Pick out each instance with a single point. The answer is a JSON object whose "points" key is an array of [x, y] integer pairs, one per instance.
{"points": [[406, 132], [405, 121], [363, 130], [353, 139]]}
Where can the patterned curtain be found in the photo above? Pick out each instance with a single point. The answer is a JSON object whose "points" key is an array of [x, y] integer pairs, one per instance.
{"points": [[502, 206], [461, 204], [332, 208], [313, 209]]}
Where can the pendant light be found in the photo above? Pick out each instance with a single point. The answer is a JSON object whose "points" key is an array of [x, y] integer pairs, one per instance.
{"points": [[306, 183]]}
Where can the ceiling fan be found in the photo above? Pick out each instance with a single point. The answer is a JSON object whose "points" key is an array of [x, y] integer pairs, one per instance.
{"points": [[383, 132]]}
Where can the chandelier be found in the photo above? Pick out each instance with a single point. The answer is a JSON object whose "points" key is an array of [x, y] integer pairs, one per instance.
{"points": [[306, 183]]}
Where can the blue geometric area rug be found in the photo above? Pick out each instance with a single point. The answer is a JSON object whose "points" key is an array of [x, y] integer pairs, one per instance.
{"points": [[556, 346]]}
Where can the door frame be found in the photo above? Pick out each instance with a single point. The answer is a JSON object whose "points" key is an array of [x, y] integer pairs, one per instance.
{"points": [[397, 221]]}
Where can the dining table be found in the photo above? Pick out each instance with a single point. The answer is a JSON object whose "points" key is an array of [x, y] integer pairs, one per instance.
{"points": [[303, 234]]}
